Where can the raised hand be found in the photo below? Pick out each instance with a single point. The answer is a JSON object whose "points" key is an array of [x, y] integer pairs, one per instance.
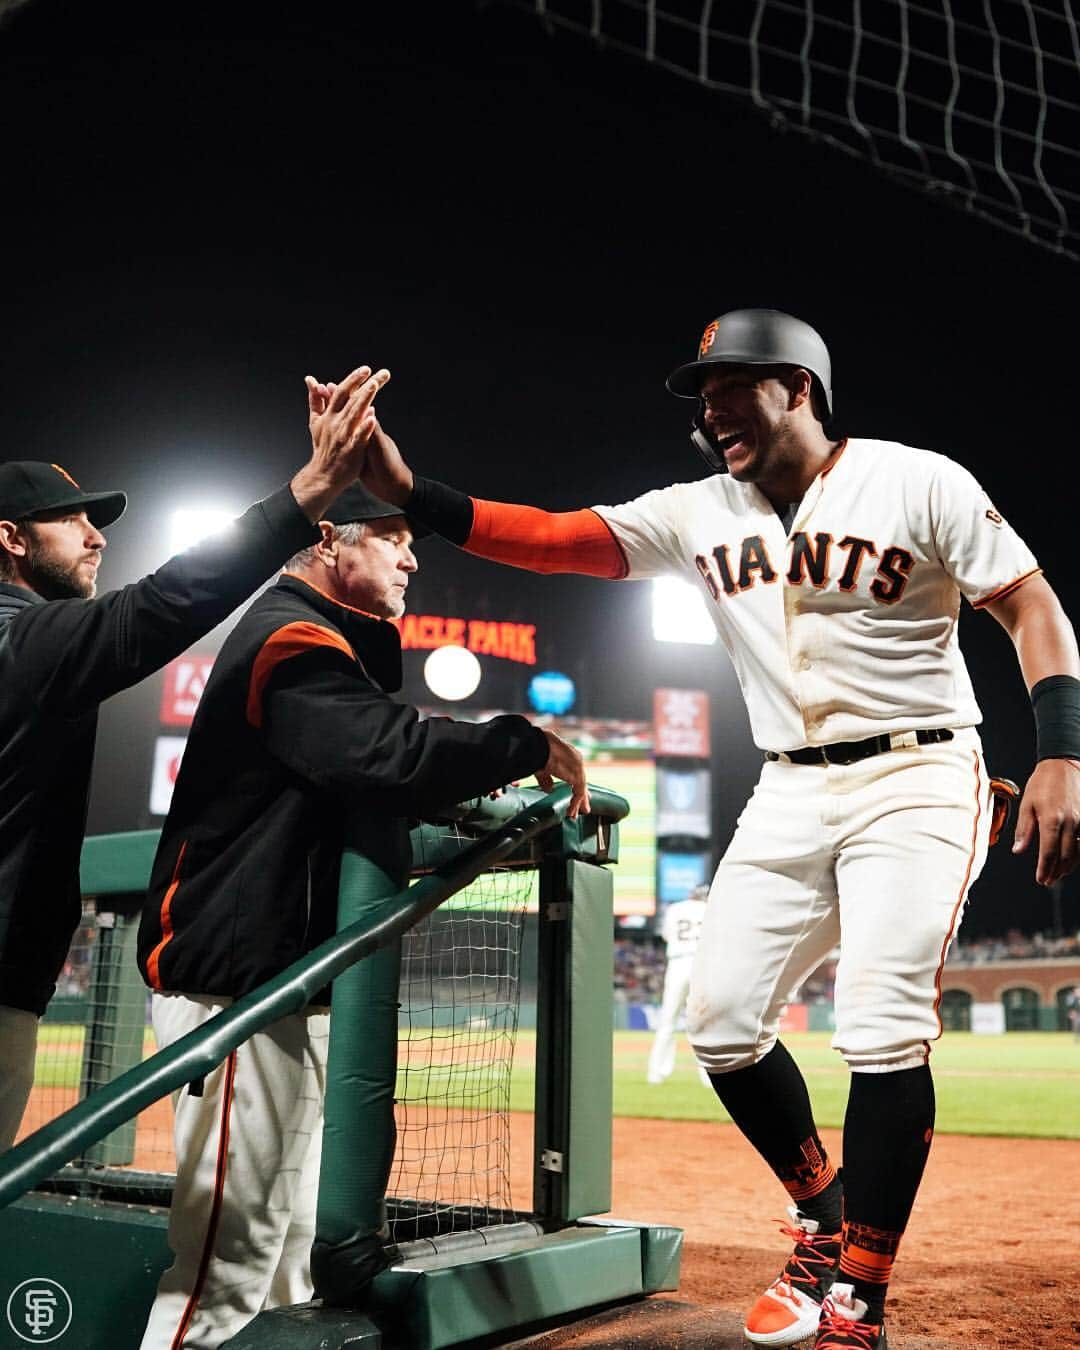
{"points": [[341, 419], [385, 472]]}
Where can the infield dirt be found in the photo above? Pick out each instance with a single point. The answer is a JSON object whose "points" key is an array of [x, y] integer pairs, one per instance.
{"points": [[990, 1259]]}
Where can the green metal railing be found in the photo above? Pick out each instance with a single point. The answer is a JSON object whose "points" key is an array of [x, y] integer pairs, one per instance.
{"points": [[73, 1133]]}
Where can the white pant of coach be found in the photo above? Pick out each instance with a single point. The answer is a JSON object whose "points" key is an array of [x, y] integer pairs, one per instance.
{"points": [[248, 1151], [878, 855]]}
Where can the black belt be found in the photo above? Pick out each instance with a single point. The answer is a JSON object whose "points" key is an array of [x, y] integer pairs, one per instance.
{"points": [[850, 752]]}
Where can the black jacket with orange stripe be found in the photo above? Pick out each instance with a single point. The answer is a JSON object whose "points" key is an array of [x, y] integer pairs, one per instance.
{"points": [[297, 749], [58, 660]]}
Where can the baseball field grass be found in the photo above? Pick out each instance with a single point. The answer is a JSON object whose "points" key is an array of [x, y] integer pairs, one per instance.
{"points": [[1023, 1084]]}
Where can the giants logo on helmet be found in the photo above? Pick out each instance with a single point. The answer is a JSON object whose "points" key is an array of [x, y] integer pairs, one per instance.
{"points": [[708, 337]]}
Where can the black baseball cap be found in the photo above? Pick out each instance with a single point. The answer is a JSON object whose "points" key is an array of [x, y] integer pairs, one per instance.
{"points": [[357, 503], [29, 487]]}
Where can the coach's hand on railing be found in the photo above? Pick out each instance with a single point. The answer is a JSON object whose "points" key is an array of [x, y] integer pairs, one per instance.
{"points": [[566, 763]]}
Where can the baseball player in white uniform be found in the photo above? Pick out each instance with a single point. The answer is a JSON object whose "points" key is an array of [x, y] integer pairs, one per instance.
{"points": [[680, 930], [834, 570]]}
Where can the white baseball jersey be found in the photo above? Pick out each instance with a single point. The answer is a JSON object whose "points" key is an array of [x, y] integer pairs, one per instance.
{"points": [[681, 927], [844, 626]]}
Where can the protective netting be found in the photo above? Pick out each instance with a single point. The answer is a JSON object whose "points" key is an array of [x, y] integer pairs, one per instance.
{"points": [[96, 1026], [977, 102], [460, 998]]}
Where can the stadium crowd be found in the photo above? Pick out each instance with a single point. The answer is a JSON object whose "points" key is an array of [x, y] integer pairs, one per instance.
{"points": [[1014, 946], [639, 962]]}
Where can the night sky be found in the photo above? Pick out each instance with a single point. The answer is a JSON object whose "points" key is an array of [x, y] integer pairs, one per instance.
{"points": [[530, 233]]}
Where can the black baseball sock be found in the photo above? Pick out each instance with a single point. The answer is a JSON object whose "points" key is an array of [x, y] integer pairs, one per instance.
{"points": [[887, 1131], [770, 1104]]}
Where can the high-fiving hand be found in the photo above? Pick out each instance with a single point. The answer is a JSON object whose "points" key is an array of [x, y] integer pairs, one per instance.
{"points": [[341, 419]]}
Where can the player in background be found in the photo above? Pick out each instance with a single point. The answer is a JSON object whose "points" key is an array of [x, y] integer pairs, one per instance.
{"points": [[62, 652], [834, 570], [680, 931]]}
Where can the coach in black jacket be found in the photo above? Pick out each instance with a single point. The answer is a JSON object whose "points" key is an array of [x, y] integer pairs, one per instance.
{"points": [[296, 749], [62, 652], [295, 734]]}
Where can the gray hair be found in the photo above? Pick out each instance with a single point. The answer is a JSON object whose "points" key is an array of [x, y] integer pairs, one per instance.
{"points": [[350, 533]]}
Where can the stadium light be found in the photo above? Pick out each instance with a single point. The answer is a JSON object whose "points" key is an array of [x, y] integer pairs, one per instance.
{"points": [[452, 673], [679, 613], [190, 524]]}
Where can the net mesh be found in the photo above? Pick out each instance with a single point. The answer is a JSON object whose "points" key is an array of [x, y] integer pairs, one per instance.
{"points": [[96, 1026], [460, 1001], [977, 102]]}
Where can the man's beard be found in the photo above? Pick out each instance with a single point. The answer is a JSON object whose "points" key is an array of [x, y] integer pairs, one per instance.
{"points": [[55, 580]]}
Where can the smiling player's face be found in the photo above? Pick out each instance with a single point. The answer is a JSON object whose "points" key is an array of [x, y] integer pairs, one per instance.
{"points": [[748, 412]]}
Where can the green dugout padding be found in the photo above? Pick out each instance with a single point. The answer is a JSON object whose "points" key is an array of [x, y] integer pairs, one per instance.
{"points": [[96, 1266], [441, 1301], [358, 1130], [76, 1274], [67, 1010], [574, 1047], [80, 1270], [117, 864]]}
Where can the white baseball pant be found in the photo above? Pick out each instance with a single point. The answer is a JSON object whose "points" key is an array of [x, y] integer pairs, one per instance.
{"points": [[672, 1002], [877, 856], [248, 1152]]}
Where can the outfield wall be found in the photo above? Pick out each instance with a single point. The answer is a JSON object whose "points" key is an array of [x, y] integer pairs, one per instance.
{"points": [[1035, 993], [798, 1017]]}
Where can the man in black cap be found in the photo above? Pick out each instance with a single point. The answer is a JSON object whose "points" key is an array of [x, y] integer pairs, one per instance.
{"points": [[297, 749], [62, 652]]}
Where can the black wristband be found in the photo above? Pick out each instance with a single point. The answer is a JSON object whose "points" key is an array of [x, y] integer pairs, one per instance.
{"points": [[1056, 704], [441, 508]]}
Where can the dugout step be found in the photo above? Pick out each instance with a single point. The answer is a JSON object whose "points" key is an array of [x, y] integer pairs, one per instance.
{"points": [[437, 1301]]}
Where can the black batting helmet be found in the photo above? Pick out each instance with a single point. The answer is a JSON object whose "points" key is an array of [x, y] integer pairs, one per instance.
{"points": [[751, 337]]}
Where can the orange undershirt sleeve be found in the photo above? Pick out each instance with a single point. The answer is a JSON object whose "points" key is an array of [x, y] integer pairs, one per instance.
{"points": [[546, 541]]}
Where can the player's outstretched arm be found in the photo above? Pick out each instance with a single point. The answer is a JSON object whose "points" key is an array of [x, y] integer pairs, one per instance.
{"points": [[520, 536], [1046, 647]]}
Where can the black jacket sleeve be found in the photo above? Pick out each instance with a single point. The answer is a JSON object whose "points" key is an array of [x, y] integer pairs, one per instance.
{"points": [[326, 720], [71, 654]]}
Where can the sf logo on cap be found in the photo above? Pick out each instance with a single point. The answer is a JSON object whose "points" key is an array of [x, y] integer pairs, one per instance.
{"points": [[64, 474], [707, 338]]}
